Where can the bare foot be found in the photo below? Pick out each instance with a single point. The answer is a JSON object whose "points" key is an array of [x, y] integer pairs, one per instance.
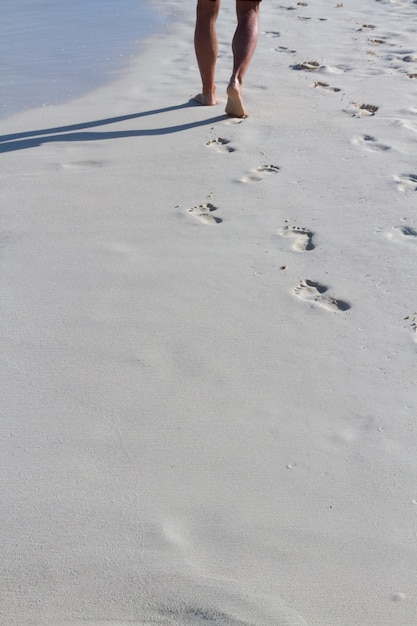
{"points": [[234, 106], [206, 101]]}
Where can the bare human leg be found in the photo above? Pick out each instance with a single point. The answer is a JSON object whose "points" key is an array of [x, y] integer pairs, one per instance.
{"points": [[206, 48], [243, 47]]}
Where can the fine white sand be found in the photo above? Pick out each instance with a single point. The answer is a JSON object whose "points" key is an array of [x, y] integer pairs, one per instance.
{"points": [[209, 335]]}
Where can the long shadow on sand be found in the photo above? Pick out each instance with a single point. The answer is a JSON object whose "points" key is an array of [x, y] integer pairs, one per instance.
{"points": [[34, 138]]}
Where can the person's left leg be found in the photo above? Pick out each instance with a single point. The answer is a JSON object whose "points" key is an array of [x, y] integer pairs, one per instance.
{"points": [[206, 48], [244, 44]]}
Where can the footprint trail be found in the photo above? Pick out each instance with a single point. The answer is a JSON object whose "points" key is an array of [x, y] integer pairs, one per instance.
{"points": [[403, 234], [302, 237], [370, 143], [204, 213], [220, 144], [313, 292], [258, 173], [413, 323], [319, 85], [406, 182]]}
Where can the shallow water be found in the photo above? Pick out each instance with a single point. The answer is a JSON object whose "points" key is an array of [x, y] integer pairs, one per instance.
{"points": [[54, 50]]}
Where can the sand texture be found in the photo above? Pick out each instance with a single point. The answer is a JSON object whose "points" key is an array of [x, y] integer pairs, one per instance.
{"points": [[209, 328]]}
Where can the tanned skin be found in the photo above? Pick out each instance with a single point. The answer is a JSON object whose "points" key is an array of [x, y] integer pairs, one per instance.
{"points": [[243, 47]]}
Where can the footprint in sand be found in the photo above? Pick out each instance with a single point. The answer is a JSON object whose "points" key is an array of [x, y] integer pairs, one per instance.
{"points": [[319, 85], [367, 27], [370, 143], [204, 213], [413, 323], [307, 66], [284, 49], [367, 109], [220, 144], [406, 182], [403, 234], [381, 41], [302, 237], [335, 69], [204, 611], [202, 604], [409, 58], [273, 34], [409, 125], [234, 120], [313, 292], [258, 173], [315, 66], [361, 110]]}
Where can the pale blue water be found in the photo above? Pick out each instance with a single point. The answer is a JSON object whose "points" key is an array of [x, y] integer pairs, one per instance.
{"points": [[54, 50]]}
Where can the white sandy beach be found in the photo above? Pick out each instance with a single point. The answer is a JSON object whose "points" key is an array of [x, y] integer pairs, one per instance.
{"points": [[208, 343]]}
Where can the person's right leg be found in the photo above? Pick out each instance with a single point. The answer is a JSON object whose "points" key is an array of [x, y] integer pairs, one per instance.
{"points": [[243, 46], [206, 48]]}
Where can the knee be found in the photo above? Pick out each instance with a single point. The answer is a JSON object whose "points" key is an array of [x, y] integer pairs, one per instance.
{"points": [[208, 8], [245, 8]]}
